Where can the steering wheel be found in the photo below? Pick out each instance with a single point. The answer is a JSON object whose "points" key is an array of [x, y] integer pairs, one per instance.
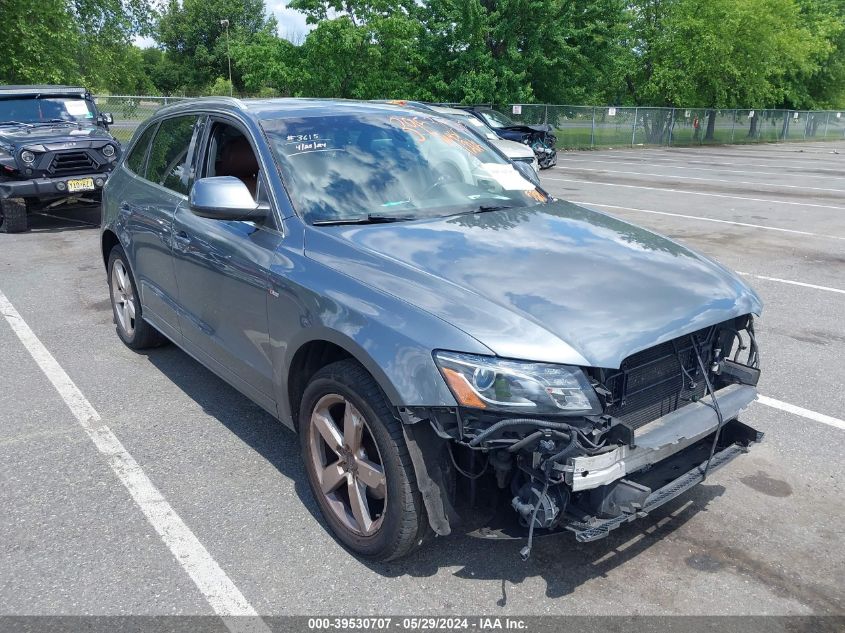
{"points": [[447, 174]]}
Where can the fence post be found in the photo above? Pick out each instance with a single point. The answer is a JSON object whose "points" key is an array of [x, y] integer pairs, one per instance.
{"points": [[593, 130], [733, 127], [826, 123], [671, 128], [546, 115], [806, 123], [634, 128]]}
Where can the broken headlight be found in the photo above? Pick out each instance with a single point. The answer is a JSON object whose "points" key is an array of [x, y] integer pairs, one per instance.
{"points": [[486, 382]]}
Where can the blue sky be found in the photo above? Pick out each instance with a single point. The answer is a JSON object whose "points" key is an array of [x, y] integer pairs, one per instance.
{"points": [[291, 23]]}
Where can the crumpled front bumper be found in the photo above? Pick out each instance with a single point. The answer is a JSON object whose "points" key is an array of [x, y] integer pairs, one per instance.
{"points": [[659, 439], [595, 528]]}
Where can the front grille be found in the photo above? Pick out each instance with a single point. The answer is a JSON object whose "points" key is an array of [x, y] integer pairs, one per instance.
{"points": [[652, 383], [72, 163]]}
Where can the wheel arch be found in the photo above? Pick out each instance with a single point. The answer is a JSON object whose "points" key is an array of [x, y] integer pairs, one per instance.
{"points": [[108, 241], [317, 351]]}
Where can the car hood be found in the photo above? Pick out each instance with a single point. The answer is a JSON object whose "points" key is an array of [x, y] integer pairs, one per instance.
{"points": [[53, 137], [528, 128], [555, 283], [512, 149]]}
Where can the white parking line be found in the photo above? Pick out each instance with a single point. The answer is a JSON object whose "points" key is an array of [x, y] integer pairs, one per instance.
{"points": [[834, 173], [697, 193], [221, 593], [703, 219], [804, 413], [669, 165], [794, 283], [732, 182]]}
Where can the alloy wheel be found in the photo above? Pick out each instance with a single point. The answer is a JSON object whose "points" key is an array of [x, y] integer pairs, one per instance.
{"points": [[348, 465], [123, 297]]}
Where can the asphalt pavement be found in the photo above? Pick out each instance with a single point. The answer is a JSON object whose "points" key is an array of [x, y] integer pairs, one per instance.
{"points": [[763, 535]]}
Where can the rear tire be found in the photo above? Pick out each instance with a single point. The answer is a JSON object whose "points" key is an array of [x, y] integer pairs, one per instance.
{"points": [[126, 305], [394, 521], [13, 216]]}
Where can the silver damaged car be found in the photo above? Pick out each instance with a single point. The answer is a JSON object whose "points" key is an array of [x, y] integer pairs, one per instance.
{"points": [[456, 349]]}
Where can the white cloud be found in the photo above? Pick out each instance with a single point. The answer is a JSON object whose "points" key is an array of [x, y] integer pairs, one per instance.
{"points": [[292, 24], [142, 41]]}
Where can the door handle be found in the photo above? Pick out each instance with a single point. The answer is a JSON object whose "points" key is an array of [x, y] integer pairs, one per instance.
{"points": [[181, 240], [125, 207]]}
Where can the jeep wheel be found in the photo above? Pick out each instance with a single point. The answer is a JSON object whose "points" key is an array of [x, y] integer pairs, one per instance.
{"points": [[13, 216], [126, 305], [358, 464]]}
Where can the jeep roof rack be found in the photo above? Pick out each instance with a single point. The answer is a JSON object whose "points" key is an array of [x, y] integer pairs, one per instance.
{"points": [[41, 90]]}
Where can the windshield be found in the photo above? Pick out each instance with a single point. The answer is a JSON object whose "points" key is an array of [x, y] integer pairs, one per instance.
{"points": [[392, 167], [496, 119], [477, 125], [38, 110]]}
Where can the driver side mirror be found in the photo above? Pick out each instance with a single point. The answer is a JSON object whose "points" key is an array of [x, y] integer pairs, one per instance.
{"points": [[225, 198], [106, 118]]}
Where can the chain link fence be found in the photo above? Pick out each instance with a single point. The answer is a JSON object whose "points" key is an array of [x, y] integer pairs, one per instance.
{"points": [[584, 127], [130, 110]]}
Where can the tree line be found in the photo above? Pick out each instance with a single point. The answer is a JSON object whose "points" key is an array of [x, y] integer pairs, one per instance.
{"points": [[689, 53]]}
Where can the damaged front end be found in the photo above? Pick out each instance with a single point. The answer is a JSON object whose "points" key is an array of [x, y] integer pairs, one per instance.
{"points": [[539, 138], [601, 446]]}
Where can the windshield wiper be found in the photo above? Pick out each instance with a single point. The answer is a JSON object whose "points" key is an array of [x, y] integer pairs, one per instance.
{"points": [[21, 123], [370, 218], [484, 208]]}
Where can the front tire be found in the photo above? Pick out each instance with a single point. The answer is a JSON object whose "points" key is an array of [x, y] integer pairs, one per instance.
{"points": [[13, 216], [126, 305], [358, 464]]}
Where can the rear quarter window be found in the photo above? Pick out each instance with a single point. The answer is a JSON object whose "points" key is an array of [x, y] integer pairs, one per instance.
{"points": [[136, 160], [167, 162]]}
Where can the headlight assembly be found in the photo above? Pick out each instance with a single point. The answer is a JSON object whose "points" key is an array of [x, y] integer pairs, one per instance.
{"points": [[524, 388], [27, 156]]}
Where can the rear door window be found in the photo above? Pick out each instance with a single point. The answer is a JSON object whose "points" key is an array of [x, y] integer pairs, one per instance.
{"points": [[170, 154]]}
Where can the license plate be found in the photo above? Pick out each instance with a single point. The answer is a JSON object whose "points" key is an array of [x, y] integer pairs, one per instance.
{"points": [[80, 184]]}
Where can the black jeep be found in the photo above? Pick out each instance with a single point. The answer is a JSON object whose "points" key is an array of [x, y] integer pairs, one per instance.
{"points": [[55, 149]]}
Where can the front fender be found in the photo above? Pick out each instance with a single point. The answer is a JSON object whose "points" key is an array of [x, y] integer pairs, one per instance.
{"points": [[392, 339]]}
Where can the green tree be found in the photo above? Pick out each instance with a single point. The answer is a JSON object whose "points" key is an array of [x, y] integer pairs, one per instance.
{"points": [[717, 54], [362, 49], [193, 38], [72, 41], [559, 51], [821, 84], [35, 40], [266, 64]]}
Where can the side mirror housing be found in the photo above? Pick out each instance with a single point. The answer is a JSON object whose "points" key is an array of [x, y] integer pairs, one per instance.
{"points": [[225, 198], [106, 118]]}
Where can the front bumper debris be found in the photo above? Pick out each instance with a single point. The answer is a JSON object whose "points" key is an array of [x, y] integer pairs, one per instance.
{"points": [[741, 437], [659, 439]]}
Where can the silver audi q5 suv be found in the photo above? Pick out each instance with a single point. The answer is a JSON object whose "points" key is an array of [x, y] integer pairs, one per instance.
{"points": [[444, 336]]}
